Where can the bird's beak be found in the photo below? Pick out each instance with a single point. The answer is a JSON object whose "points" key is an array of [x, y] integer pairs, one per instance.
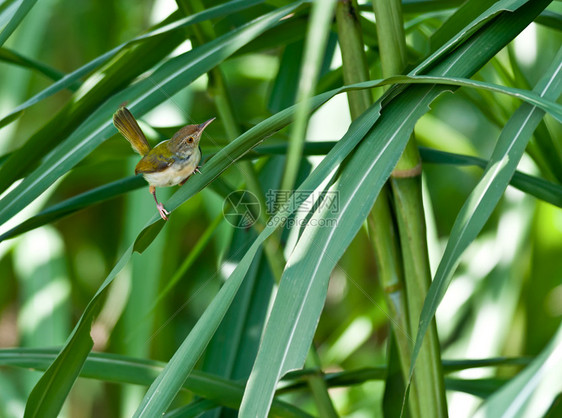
{"points": [[201, 127]]}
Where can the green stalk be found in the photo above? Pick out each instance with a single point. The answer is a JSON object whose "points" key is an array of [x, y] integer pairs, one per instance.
{"points": [[406, 188], [275, 257], [318, 386], [217, 88], [318, 30], [381, 225]]}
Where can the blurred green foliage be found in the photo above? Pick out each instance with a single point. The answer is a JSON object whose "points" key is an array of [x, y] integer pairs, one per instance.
{"points": [[506, 296]]}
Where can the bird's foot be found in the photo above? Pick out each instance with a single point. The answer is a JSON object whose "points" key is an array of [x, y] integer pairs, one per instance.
{"points": [[163, 212], [197, 169]]}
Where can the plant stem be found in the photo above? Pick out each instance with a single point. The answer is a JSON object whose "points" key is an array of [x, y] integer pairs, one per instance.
{"points": [[318, 29], [275, 257], [318, 386], [406, 188], [381, 225], [217, 88]]}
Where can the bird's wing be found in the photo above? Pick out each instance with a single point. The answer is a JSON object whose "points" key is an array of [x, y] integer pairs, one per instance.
{"points": [[154, 162], [126, 124]]}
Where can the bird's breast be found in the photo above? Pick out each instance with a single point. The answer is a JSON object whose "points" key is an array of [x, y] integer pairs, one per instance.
{"points": [[177, 172]]}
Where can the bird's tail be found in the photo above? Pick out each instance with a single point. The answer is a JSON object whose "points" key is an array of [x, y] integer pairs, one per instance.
{"points": [[127, 125]]}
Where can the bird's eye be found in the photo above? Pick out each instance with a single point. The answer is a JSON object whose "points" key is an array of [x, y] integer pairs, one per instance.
{"points": [[190, 139]]}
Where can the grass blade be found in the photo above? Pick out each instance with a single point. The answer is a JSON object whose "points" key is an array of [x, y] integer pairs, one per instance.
{"points": [[535, 186], [166, 386], [76, 203], [520, 397], [123, 369], [303, 288], [142, 96], [315, 44], [13, 13], [302, 291], [485, 196], [8, 55], [71, 78], [50, 392]]}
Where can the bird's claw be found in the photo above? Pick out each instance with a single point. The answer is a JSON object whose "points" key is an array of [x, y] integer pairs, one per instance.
{"points": [[163, 212], [197, 170]]}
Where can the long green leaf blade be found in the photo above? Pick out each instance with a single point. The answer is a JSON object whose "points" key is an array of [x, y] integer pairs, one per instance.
{"points": [[13, 14], [521, 396], [303, 286], [123, 369], [168, 383], [142, 96], [485, 196], [50, 392], [302, 292], [73, 77]]}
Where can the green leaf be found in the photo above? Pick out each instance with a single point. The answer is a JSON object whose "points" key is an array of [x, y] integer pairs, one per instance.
{"points": [[477, 387], [48, 395], [123, 369], [497, 8], [303, 287], [545, 103], [302, 291], [284, 90], [13, 57], [142, 96], [165, 387], [12, 13], [537, 187], [550, 19], [540, 188], [244, 320], [98, 127], [521, 396], [52, 389], [485, 196], [466, 13], [314, 47], [76, 203], [98, 87], [194, 409], [71, 78]]}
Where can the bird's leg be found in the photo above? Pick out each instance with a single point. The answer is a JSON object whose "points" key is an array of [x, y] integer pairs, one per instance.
{"points": [[163, 212], [197, 169]]}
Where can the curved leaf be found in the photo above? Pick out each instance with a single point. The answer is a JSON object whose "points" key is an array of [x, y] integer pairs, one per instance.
{"points": [[535, 186], [520, 397], [13, 57], [142, 96], [122, 369], [73, 77], [12, 13], [48, 395], [303, 287], [486, 195], [165, 387]]}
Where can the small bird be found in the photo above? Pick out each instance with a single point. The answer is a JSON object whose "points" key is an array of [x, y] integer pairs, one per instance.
{"points": [[169, 163]]}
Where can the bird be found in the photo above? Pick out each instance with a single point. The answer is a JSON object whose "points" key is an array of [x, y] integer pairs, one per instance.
{"points": [[169, 163]]}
